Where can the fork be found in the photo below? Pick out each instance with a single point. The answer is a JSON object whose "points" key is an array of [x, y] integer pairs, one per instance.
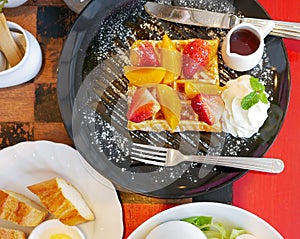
{"points": [[168, 157]]}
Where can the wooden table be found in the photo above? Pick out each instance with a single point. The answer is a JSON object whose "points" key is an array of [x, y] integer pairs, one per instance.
{"points": [[30, 112]]}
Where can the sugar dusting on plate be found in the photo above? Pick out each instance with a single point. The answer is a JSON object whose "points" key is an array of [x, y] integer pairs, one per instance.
{"points": [[106, 93]]}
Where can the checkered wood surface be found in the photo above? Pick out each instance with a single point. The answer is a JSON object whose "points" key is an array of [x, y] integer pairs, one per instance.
{"points": [[30, 111]]}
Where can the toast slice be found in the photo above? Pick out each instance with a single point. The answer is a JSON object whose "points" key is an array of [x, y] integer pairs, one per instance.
{"points": [[6, 233], [19, 209], [63, 200]]}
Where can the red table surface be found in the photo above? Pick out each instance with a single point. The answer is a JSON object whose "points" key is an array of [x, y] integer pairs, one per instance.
{"points": [[274, 198]]}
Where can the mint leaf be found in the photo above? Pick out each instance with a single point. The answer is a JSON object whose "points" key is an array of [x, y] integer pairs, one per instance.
{"points": [[255, 96], [249, 100], [255, 85], [263, 98]]}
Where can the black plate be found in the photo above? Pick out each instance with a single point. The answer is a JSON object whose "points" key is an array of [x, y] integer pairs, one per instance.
{"points": [[91, 84]]}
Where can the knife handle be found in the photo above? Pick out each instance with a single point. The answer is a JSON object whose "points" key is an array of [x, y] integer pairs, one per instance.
{"points": [[281, 28]]}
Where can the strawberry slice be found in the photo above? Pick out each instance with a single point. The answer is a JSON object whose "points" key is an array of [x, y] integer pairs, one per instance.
{"points": [[143, 54], [209, 108], [143, 106], [195, 56]]}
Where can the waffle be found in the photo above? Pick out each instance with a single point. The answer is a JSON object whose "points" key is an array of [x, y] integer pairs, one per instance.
{"points": [[189, 120]]}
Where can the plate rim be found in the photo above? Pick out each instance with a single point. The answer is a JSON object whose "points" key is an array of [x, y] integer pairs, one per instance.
{"points": [[67, 112]]}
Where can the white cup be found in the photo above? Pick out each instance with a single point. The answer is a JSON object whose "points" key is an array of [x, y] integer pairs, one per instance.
{"points": [[243, 46], [30, 64]]}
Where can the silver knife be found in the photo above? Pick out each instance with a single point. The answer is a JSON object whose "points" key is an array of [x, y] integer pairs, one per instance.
{"points": [[197, 17]]}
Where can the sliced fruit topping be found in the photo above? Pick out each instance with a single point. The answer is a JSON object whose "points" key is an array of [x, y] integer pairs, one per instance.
{"points": [[171, 59], [167, 43], [143, 106], [170, 104], [144, 75], [187, 112], [195, 56], [142, 53], [209, 108], [193, 87]]}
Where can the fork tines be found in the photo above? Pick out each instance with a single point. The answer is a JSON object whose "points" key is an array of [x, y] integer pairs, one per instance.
{"points": [[149, 154]]}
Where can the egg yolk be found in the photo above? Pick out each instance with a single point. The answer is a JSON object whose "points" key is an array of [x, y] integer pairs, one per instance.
{"points": [[60, 236]]}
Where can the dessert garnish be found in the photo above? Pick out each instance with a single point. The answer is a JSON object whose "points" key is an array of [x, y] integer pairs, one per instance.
{"points": [[239, 121], [258, 94]]}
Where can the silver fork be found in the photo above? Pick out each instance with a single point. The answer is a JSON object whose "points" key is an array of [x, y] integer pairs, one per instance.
{"points": [[160, 156]]}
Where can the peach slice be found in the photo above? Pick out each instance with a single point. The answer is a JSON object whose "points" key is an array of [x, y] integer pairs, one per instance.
{"points": [[193, 87], [170, 59], [170, 104], [144, 75]]}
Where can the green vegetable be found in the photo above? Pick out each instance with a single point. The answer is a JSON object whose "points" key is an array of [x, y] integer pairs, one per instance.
{"points": [[258, 94], [210, 229], [213, 230], [201, 222], [2, 3]]}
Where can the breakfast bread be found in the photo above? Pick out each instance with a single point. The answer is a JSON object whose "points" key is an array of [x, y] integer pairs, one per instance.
{"points": [[6, 233], [19, 209], [173, 85], [63, 200], [162, 125], [208, 73]]}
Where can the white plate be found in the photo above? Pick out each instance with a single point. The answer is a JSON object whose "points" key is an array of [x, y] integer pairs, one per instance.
{"points": [[31, 162], [230, 216]]}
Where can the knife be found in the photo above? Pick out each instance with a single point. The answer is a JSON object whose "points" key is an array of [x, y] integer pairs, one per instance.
{"points": [[197, 17]]}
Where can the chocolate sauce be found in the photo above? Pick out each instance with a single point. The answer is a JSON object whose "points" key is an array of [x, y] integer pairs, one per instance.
{"points": [[243, 42]]}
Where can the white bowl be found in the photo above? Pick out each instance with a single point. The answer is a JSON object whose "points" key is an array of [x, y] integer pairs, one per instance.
{"points": [[53, 227], [230, 216], [30, 64], [14, 3]]}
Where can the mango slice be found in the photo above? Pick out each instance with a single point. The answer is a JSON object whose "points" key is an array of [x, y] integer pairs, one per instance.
{"points": [[170, 104], [194, 87], [144, 75]]}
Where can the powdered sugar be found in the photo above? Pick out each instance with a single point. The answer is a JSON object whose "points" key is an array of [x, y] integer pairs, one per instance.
{"points": [[104, 121]]}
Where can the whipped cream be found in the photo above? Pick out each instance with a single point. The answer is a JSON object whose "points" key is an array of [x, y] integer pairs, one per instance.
{"points": [[236, 120]]}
